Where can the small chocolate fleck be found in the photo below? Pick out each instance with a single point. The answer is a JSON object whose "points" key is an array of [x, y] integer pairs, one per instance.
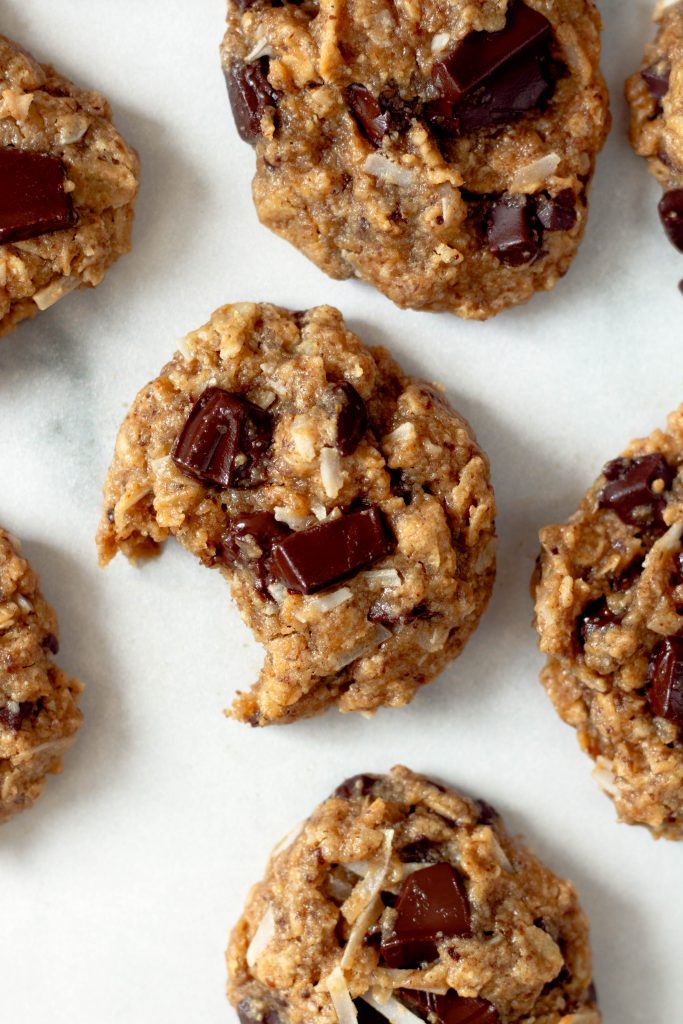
{"points": [[487, 815], [352, 417], [223, 439], [241, 532], [671, 216], [511, 235], [50, 643], [32, 197], [420, 851], [656, 78], [250, 95], [314, 558], [595, 616], [557, 213], [449, 1009], [665, 679], [629, 488], [13, 714], [357, 785], [432, 904]]}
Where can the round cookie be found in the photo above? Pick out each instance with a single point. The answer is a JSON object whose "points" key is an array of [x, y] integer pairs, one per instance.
{"points": [[609, 612], [38, 712], [68, 183], [441, 151], [348, 505], [400, 899]]}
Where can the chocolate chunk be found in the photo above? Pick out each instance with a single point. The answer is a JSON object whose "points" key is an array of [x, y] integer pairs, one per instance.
{"points": [[357, 785], [656, 78], [596, 615], [373, 123], [50, 643], [13, 714], [557, 213], [629, 490], [449, 1009], [248, 540], [324, 554], [223, 439], [250, 94], [432, 904], [511, 235], [32, 197], [665, 678], [671, 215], [352, 417], [628, 577]]}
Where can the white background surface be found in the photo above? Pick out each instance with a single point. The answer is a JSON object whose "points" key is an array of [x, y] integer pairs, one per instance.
{"points": [[118, 889]]}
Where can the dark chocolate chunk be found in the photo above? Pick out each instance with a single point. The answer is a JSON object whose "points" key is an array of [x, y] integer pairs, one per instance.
{"points": [[352, 417], [665, 678], [557, 213], [250, 95], [449, 1009], [258, 530], [223, 439], [50, 643], [596, 615], [311, 559], [32, 197], [373, 123], [671, 216], [511, 235], [13, 714], [656, 78], [629, 488], [432, 904], [628, 577], [357, 785]]}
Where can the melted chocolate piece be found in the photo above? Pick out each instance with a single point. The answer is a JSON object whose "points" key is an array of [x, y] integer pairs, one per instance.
{"points": [[352, 418], [357, 785], [628, 490], [671, 215], [32, 197], [50, 643], [432, 904], [312, 559], [449, 1009], [596, 615], [656, 78], [264, 529], [665, 678], [373, 122], [250, 94], [510, 232], [223, 439], [12, 716], [557, 213]]}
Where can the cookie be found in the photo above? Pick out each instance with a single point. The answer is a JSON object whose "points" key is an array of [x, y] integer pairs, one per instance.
{"points": [[441, 151], [655, 94], [348, 505], [400, 900], [38, 702], [609, 612], [68, 183]]}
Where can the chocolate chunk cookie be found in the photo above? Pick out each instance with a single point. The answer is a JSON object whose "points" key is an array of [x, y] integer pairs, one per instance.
{"points": [[401, 900], [609, 612], [68, 183], [38, 712], [441, 151], [347, 504]]}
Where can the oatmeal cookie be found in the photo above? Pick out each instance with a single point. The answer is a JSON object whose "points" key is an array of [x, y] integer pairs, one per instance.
{"points": [[400, 899], [609, 612], [348, 505], [68, 183], [441, 150], [655, 94], [38, 712]]}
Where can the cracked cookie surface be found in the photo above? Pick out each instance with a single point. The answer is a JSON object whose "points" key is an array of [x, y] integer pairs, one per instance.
{"points": [[38, 702], [398, 894], [347, 504], [385, 152], [609, 612], [68, 185]]}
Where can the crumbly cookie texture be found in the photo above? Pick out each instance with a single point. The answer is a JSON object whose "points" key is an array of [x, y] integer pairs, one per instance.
{"points": [[353, 517], [609, 612], [68, 185], [38, 712], [399, 899], [406, 145]]}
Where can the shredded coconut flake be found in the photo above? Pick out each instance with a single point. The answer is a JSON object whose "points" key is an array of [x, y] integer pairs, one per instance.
{"points": [[319, 511], [54, 291], [395, 1012], [411, 979], [382, 578], [283, 515], [278, 592], [24, 603], [440, 41], [303, 439], [262, 937], [341, 997], [671, 541], [403, 432], [327, 602], [184, 348], [535, 173], [331, 472], [258, 50], [361, 908], [379, 166], [604, 776], [380, 635]]}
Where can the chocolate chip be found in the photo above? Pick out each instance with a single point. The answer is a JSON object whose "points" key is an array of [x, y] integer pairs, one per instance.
{"points": [[352, 417], [357, 785], [432, 904], [248, 540], [250, 95], [32, 197], [223, 439], [311, 559], [656, 78], [449, 1009], [557, 213], [671, 215], [665, 679], [13, 714], [373, 123], [596, 615], [50, 643], [629, 490], [511, 235]]}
